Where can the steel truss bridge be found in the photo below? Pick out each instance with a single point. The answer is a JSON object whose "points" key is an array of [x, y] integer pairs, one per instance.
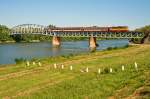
{"points": [[44, 30]]}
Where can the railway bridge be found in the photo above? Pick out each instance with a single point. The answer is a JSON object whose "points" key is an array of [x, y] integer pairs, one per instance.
{"points": [[90, 32]]}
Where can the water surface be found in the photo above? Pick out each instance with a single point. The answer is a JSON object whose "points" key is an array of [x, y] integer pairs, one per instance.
{"points": [[8, 52]]}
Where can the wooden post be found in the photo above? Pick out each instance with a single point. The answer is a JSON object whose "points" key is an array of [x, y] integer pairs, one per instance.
{"points": [[28, 63], [99, 71], [70, 67], [87, 69], [40, 64], [62, 66], [55, 66], [33, 63], [136, 66], [110, 70], [122, 68]]}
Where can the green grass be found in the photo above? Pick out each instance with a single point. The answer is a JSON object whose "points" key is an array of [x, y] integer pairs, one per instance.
{"points": [[22, 82]]}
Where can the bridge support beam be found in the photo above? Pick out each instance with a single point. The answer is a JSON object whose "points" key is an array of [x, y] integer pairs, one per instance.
{"points": [[56, 41], [92, 42]]}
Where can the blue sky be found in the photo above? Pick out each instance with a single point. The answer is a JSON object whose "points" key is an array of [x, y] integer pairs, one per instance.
{"points": [[132, 13]]}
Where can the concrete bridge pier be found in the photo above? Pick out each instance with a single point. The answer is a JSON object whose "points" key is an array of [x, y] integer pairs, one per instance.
{"points": [[56, 41], [92, 42]]}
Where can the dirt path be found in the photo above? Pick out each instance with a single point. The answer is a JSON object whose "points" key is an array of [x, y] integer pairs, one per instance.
{"points": [[18, 74]]}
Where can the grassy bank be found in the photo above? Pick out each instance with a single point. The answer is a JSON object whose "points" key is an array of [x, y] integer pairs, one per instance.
{"points": [[34, 81]]}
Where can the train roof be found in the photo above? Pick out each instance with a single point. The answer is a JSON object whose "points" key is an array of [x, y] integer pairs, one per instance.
{"points": [[92, 27]]}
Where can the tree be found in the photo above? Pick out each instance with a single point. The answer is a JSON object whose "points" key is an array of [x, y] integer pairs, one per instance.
{"points": [[51, 26], [146, 38], [4, 33], [146, 31]]}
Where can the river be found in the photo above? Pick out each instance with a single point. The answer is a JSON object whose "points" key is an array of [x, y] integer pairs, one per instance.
{"points": [[9, 52]]}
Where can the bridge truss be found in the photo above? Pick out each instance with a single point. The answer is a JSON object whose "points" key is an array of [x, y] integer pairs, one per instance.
{"points": [[27, 29]]}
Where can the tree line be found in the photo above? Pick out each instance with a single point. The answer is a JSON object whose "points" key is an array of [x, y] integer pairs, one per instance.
{"points": [[146, 38], [4, 36]]}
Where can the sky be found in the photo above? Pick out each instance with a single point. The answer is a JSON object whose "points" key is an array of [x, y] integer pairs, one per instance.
{"points": [[132, 13]]}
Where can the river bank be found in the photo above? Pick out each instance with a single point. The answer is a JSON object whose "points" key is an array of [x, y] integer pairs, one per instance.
{"points": [[6, 42], [36, 81]]}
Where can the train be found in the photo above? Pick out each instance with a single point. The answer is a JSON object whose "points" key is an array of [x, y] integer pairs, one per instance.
{"points": [[89, 29]]}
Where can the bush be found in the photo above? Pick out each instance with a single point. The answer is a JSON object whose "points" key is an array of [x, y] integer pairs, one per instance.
{"points": [[19, 60], [109, 48], [106, 70], [126, 46], [68, 56], [113, 48]]}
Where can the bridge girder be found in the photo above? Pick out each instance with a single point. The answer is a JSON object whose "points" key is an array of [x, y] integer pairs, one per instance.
{"points": [[96, 34]]}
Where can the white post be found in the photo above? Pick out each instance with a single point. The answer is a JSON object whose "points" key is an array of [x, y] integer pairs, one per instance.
{"points": [[40, 64], [99, 70], [70, 67], [122, 68], [55, 65], [136, 66], [28, 63], [33, 63], [62, 66], [87, 69], [110, 70]]}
